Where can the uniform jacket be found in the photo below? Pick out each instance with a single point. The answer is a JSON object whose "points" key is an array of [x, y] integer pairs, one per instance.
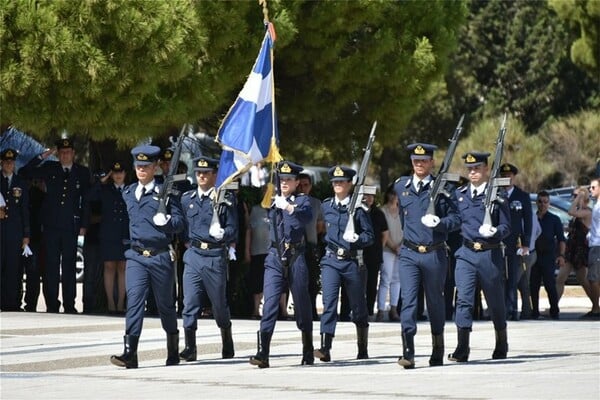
{"points": [[336, 219], [142, 230], [413, 206], [16, 221], [63, 206], [471, 216], [520, 219], [114, 225]]}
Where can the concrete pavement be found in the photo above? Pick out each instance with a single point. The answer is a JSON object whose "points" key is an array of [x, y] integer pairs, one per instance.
{"points": [[59, 356]]}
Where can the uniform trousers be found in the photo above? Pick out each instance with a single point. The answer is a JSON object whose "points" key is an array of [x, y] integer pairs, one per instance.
{"points": [[12, 273], [428, 270], [486, 268], [275, 284], [141, 273], [333, 272], [60, 243], [205, 276], [514, 271]]}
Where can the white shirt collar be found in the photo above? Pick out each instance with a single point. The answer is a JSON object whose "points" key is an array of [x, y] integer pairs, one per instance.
{"points": [[343, 202], [416, 181], [480, 188], [207, 193]]}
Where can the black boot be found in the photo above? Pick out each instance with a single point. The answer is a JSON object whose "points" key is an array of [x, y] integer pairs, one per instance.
{"points": [[189, 353], [129, 357], [362, 341], [172, 348], [227, 340], [261, 359], [323, 353], [461, 354], [308, 358], [408, 351], [501, 345], [437, 351]]}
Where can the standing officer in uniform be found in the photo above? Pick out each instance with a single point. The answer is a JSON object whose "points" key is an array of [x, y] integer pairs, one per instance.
{"points": [[480, 258], [285, 264], [518, 241], [149, 264], [14, 224], [67, 184], [424, 254], [340, 264], [205, 271]]}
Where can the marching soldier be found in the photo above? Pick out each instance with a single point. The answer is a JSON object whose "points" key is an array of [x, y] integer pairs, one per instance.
{"points": [[285, 264], [340, 263], [424, 254], [205, 272], [14, 225], [480, 258], [67, 184], [149, 263]]}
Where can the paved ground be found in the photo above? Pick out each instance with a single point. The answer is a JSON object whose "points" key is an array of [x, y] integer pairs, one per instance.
{"points": [[57, 356]]}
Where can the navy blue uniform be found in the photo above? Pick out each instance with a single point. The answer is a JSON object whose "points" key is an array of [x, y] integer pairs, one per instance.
{"points": [[62, 218], [14, 227], [340, 264], [520, 220], [423, 257], [114, 223], [205, 271], [480, 260], [148, 260], [290, 233]]}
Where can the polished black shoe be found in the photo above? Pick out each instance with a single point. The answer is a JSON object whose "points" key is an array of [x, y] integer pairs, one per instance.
{"points": [[227, 350], [129, 357], [172, 349], [323, 353], [501, 349], [308, 357], [189, 353], [263, 344], [461, 353], [437, 351], [408, 352]]}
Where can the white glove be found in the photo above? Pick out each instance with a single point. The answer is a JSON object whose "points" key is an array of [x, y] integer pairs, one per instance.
{"points": [[232, 256], [27, 251], [430, 220], [487, 230], [216, 231], [281, 202], [520, 252], [350, 237], [161, 219]]}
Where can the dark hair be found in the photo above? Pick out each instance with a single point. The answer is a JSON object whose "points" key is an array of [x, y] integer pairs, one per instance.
{"points": [[543, 193], [389, 193], [304, 175]]}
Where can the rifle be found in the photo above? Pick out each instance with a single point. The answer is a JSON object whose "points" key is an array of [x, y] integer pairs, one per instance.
{"points": [[439, 184], [494, 182], [221, 201], [357, 195], [167, 189]]}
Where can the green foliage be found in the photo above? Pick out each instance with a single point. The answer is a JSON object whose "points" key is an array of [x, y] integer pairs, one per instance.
{"points": [[583, 16]]}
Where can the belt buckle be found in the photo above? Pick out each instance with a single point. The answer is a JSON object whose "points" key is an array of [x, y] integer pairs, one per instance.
{"points": [[204, 246], [146, 253], [286, 245], [477, 246], [340, 253], [422, 249]]}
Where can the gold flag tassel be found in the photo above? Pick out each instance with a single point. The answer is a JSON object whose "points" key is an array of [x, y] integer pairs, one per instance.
{"points": [[273, 157]]}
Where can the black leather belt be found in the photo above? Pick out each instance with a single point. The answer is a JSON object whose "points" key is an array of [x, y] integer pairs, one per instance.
{"points": [[206, 245], [341, 253], [148, 252], [422, 248], [480, 246], [289, 246]]}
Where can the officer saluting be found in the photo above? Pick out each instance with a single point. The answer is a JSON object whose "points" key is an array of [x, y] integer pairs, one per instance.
{"points": [[14, 231], [423, 256], [285, 263], [149, 263], [67, 184], [205, 271], [480, 258], [340, 263]]}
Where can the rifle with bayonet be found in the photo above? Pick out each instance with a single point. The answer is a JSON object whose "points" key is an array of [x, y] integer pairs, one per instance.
{"points": [[357, 195], [168, 187], [439, 184], [495, 181]]}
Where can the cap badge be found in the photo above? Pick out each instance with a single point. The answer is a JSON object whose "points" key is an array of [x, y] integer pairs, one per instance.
{"points": [[285, 168], [141, 157], [470, 158], [202, 163], [338, 172], [419, 150]]}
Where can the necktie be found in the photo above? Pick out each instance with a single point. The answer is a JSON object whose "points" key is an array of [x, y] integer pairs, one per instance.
{"points": [[66, 173], [474, 193], [143, 192], [419, 187]]}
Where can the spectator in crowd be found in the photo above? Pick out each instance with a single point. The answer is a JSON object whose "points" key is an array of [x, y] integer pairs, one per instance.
{"points": [[389, 279], [594, 255], [258, 175], [551, 239], [93, 299], [14, 232], [67, 184], [34, 267], [577, 249], [528, 261]]}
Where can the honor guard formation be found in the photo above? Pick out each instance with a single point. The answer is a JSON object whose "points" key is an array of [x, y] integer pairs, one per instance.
{"points": [[169, 245]]}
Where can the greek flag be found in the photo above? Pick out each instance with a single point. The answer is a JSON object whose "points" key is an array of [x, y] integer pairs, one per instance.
{"points": [[249, 129]]}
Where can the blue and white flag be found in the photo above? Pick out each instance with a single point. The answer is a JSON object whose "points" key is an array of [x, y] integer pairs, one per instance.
{"points": [[250, 127]]}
